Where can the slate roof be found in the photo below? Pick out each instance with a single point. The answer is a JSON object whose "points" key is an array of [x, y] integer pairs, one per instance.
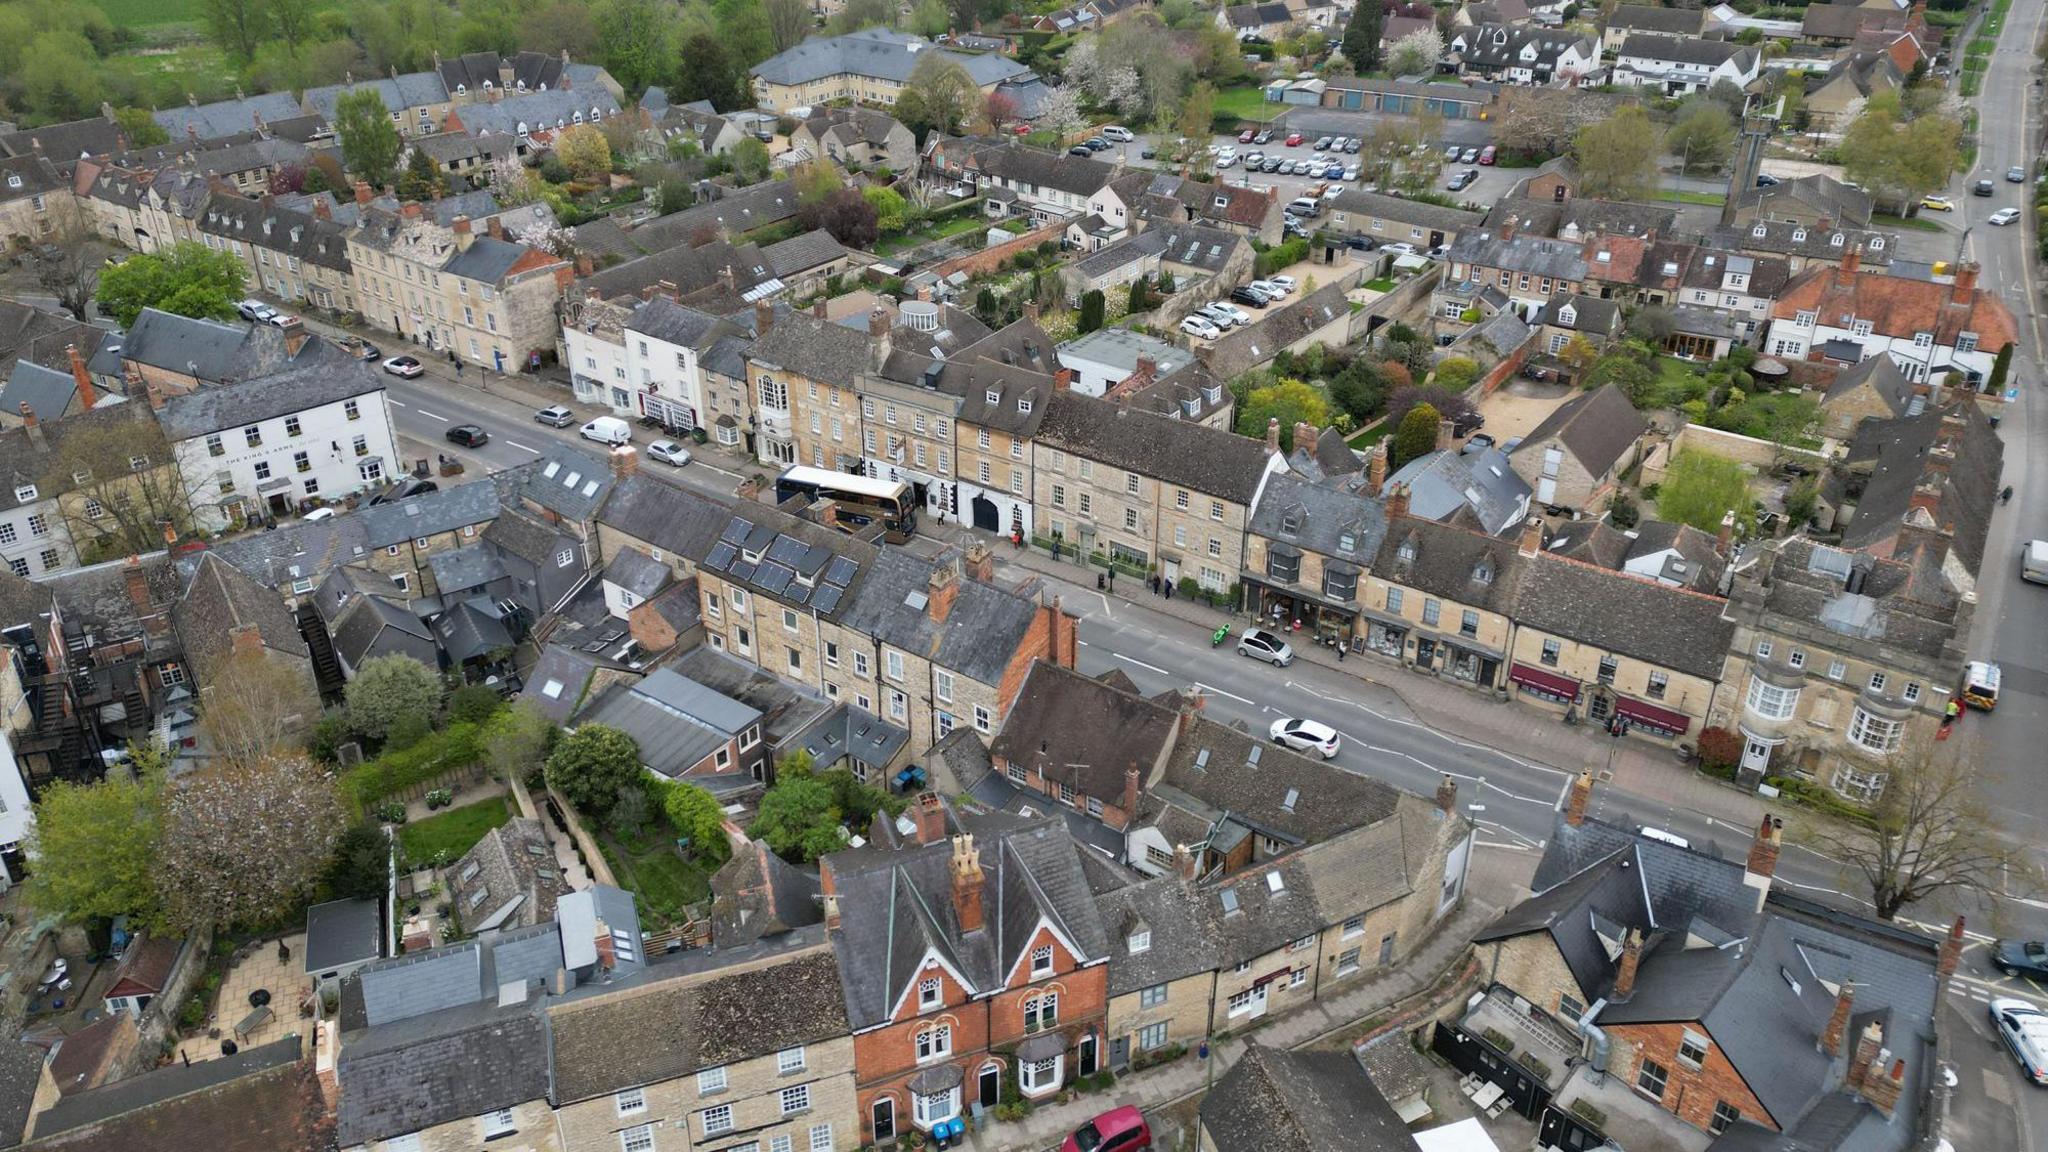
{"points": [[1075, 175], [788, 551], [757, 894], [1174, 452], [515, 882], [1536, 255], [1183, 938], [672, 323], [226, 117], [877, 52], [32, 334], [563, 666], [262, 1099], [538, 111], [1685, 50], [448, 1065], [1796, 238], [1907, 605], [813, 348], [464, 570], [1953, 449], [734, 211], [569, 482], [1420, 213], [674, 1028], [21, 1070], [1497, 46], [1275, 1100], [1319, 519], [221, 599], [1279, 328], [636, 572], [342, 932], [68, 140], [1669, 627], [1881, 374], [1478, 485], [371, 626], [400, 93], [680, 521], [895, 908], [313, 547], [1281, 793], [307, 384], [1597, 428], [979, 636], [210, 350], [675, 721], [1649, 18], [429, 514], [46, 391], [296, 234], [1077, 730], [1843, 203], [1451, 562], [803, 252]]}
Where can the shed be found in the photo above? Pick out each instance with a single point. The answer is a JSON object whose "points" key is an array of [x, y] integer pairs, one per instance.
{"points": [[342, 936]]}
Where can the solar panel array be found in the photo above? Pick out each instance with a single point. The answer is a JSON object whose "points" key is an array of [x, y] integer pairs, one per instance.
{"points": [[781, 565]]}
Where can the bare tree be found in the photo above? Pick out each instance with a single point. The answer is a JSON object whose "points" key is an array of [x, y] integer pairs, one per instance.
{"points": [[71, 271], [243, 842], [1929, 831], [258, 707], [127, 492], [789, 21]]}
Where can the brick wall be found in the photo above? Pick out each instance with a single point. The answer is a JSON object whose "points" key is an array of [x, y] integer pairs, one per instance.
{"points": [[1689, 1093], [988, 259]]}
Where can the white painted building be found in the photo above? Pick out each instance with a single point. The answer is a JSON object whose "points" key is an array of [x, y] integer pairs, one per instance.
{"points": [[17, 815], [316, 431], [1108, 356], [1682, 65], [1928, 327]]}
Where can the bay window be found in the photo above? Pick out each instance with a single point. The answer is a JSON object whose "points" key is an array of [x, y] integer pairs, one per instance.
{"points": [[1875, 733], [1769, 701]]}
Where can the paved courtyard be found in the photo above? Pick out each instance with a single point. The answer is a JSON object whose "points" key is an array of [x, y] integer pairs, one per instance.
{"points": [[287, 984]]}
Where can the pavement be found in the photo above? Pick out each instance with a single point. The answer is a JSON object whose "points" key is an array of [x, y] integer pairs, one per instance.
{"points": [[287, 984], [1192, 1074]]}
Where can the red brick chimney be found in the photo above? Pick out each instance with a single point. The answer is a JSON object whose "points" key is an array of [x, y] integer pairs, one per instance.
{"points": [[607, 953], [1507, 229], [1763, 850], [1576, 800], [363, 195], [87, 397], [930, 818], [1951, 950], [967, 879], [463, 236], [980, 563], [1376, 468], [1837, 1030], [942, 587], [1191, 705], [1882, 1086], [411, 211], [1397, 502], [1062, 379], [1965, 288], [1625, 968], [34, 426], [497, 226], [1131, 782], [1852, 262], [1869, 1045], [764, 318], [137, 583]]}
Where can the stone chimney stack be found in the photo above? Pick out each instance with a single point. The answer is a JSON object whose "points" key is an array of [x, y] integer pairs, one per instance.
{"points": [[1397, 502], [1376, 468], [878, 324], [1304, 436], [1532, 538], [496, 225], [1273, 436], [320, 208], [831, 912], [1447, 796], [34, 426], [764, 318], [1966, 283], [930, 818], [1887, 1079], [1625, 968], [1576, 800], [1130, 797], [87, 396], [1191, 704], [980, 563], [1446, 435], [942, 587], [1726, 536], [363, 195], [294, 331], [1184, 861], [1837, 1031], [463, 236], [625, 461], [966, 869], [1869, 1046]]}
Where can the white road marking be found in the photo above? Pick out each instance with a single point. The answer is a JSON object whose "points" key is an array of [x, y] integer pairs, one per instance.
{"points": [[1145, 666], [522, 447], [1480, 843], [430, 415], [1231, 695], [393, 403], [1468, 745]]}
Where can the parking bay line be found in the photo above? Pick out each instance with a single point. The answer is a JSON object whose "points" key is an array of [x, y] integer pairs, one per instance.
{"points": [[522, 447]]}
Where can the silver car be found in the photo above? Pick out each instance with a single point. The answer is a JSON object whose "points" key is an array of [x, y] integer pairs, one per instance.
{"points": [[2024, 1028], [668, 452], [1260, 644]]}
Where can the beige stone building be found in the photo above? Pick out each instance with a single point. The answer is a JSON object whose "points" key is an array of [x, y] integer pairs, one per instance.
{"points": [[290, 255], [1441, 598], [803, 370], [866, 67], [757, 1051], [489, 299], [1146, 492]]}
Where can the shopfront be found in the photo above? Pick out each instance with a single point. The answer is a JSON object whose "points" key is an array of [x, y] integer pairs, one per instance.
{"points": [[1293, 610], [1549, 687]]}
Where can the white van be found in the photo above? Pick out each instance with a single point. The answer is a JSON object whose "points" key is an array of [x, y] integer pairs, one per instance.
{"points": [[2034, 562], [608, 430]]}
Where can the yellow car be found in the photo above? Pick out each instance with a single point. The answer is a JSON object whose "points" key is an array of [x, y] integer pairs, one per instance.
{"points": [[1938, 203]]}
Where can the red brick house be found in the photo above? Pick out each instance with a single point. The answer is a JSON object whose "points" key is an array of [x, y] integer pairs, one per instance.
{"points": [[974, 962]]}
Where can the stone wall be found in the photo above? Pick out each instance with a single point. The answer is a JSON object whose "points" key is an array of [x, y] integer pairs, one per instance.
{"points": [[990, 258]]}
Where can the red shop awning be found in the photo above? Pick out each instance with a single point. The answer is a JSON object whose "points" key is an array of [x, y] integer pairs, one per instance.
{"points": [[1650, 716], [1547, 683]]}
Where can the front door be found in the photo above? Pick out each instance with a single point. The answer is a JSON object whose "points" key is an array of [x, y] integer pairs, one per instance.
{"points": [[1120, 1052], [885, 1119], [986, 516], [1084, 1055], [1599, 707], [1425, 652], [989, 1086]]}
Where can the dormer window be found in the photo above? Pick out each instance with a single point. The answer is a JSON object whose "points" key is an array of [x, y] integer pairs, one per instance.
{"points": [[1835, 241], [1406, 553], [13, 180], [1799, 235], [1877, 243], [1023, 403], [1567, 315], [1757, 232], [462, 89], [1346, 542], [994, 397], [1483, 574]]}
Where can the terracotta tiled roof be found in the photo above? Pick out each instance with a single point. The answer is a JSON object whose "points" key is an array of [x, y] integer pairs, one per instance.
{"points": [[1896, 306]]}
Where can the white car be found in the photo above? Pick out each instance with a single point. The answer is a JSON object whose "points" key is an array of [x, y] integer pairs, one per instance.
{"points": [[1118, 133], [1333, 191], [1220, 315], [1272, 289], [1237, 315], [1260, 644], [404, 366], [2024, 1029], [1226, 161], [1284, 283], [1307, 736], [255, 310], [668, 452], [1399, 248], [1198, 327], [2005, 216]]}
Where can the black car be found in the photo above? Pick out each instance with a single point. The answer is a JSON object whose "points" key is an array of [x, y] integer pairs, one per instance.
{"points": [[1149, 152], [1097, 144], [1982, 188], [1080, 150], [469, 436], [1766, 180], [2021, 958], [1242, 295], [1361, 243]]}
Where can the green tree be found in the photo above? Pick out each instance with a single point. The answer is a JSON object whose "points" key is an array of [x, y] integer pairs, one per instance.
{"points": [[238, 26], [1288, 401], [244, 843], [855, 15], [800, 818], [60, 77], [892, 211], [474, 704], [295, 22], [1700, 488], [930, 19], [939, 96], [1896, 159], [93, 847], [187, 278], [1416, 54], [1703, 137], [1456, 373], [2000, 369], [1637, 380], [1360, 391], [360, 868], [519, 741], [586, 152], [422, 178], [695, 813], [140, 127], [1091, 312], [591, 764], [1800, 502], [1140, 298], [749, 160], [369, 144], [789, 21], [1617, 157], [1416, 437], [386, 688], [1362, 35], [707, 71], [1198, 113], [635, 40], [1623, 511]]}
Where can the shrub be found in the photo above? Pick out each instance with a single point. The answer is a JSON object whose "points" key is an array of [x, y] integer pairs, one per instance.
{"points": [[456, 746], [407, 731], [473, 702], [391, 813]]}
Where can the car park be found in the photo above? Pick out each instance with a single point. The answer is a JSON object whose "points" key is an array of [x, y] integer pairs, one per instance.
{"points": [[1246, 294], [1304, 206], [1260, 644], [1352, 145], [1335, 189], [1253, 160], [1469, 156], [1199, 327], [1098, 144], [1226, 160], [1486, 155], [668, 452], [1462, 179], [2024, 1030], [1351, 173], [1237, 315], [2005, 216], [1452, 151], [1294, 139], [608, 430], [1148, 152], [1221, 315], [1117, 1130], [1265, 136], [1118, 133], [468, 436], [404, 366], [556, 416], [1306, 736], [1983, 188]]}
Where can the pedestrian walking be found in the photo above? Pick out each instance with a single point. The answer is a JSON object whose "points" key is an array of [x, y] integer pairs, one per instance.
{"points": [[1340, 649], [1169, 589], [458, 367], [1155, 584]]}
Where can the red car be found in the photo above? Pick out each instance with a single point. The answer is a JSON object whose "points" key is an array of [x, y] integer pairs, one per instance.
{"points": [[1294, 139], [1245, 137], [1022, 129], [1486, 154], [1117, 1130]]}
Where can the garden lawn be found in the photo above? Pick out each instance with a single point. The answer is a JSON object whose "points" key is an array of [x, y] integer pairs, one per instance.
{"points": [[451, 833], [1917, 223], [650, 868], [1247, 102], [1709, 199]]}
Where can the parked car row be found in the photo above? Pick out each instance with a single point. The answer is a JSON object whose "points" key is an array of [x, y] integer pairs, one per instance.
{"points": [[1213, 320]]}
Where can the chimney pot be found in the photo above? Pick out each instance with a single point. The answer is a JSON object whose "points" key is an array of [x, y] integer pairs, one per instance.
{"points": [[1763, 850], [930, 818], [87, 397], [1577, 799], [967, 880], [1837, 1029], [1397, 502], [1869, 1044], [1447, 795]]}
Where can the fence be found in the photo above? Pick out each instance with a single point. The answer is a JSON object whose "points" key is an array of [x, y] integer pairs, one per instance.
{"points": [[1468, 1052], [586, 844]]}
